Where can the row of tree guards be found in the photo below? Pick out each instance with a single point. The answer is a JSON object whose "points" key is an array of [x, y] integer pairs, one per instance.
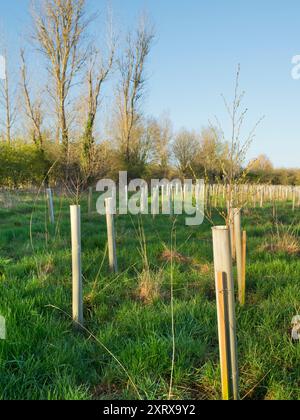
{"points": [[251, 196], [245, 195], [229, 244]]}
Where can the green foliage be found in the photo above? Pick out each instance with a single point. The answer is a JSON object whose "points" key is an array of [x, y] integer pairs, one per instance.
{"points": [[275, 176], [21, 164]]}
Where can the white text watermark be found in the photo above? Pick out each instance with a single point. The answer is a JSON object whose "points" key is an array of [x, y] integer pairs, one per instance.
{"points": [[2, 328], [157, 197], [296, 67], [2, 67]]}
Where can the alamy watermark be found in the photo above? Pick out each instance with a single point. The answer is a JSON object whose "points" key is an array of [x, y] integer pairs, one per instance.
{"points": [[167, 197], [2, 67], [296, 67], [2, 328]]}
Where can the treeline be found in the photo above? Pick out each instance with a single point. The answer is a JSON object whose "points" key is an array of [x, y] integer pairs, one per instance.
{"points": [[279, 176], [55, 129], [23, 165], [261, 170]]}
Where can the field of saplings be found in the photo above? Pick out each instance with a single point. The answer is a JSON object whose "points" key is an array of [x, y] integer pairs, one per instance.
{"points": [[145, 307]]}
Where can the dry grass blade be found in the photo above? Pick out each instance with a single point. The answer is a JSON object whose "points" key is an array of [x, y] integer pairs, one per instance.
{"points": [[285, 240]]}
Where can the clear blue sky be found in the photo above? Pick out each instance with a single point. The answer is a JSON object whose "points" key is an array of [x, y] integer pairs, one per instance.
{"points": [[199, 45]]}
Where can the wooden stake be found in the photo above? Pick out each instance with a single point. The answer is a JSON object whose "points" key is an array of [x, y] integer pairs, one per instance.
{"points": [[232, 233], [50, 205], [90, 201], [238, 247], [155, 204], [171, 201], [294, 200], [224, 339], [244, 246], [76, 264], [112, 249]]}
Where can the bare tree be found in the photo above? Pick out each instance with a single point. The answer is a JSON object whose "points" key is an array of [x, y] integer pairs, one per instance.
{"points": [[161, 136], [8, 102], [59, 30], [130, 91], [98, 72], [233, 167], [261, 164], [210, 155], [185, 148], [33, 108]]}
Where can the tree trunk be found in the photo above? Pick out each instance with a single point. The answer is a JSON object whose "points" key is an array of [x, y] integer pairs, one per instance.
{"points": [[7, 105]]}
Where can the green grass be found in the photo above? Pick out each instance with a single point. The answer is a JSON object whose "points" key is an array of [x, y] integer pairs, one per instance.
{"points": [[44, 357]]}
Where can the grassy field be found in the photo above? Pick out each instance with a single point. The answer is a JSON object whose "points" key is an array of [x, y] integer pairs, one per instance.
{"points": [[126, 352]]}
